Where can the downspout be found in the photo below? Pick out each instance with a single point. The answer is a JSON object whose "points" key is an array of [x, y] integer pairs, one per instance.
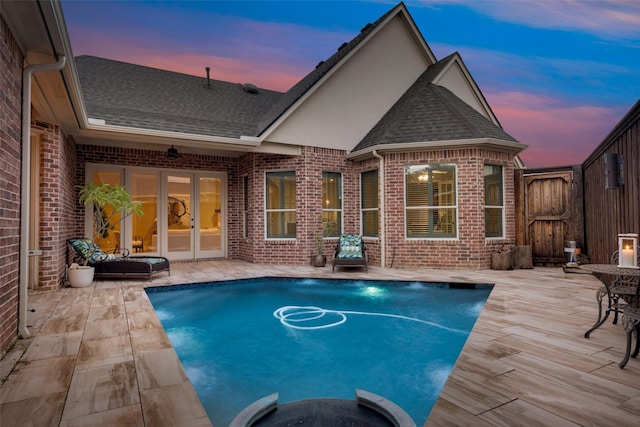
{"points": [[383, 251], [23, 331]]}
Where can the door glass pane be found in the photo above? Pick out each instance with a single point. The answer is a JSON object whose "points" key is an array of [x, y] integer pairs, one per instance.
{"points": [[110, 239], [210, 213], [179, 213], [145, 227]]}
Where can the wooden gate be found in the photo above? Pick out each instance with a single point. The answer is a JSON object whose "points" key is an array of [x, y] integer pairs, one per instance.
{"points": [[548, 214]]}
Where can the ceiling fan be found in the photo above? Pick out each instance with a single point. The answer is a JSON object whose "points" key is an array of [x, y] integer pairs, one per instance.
{"points": [[172, 153]]}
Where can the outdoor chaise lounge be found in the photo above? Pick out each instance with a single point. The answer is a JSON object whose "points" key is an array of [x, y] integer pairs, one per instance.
{"points": [[118, 266], [350, 252]]}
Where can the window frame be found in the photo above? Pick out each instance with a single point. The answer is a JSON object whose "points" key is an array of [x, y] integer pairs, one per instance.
{"points": [[500, 207], [282, 173], [377, 201], [430, 167], [245, 206], [340, 209]]}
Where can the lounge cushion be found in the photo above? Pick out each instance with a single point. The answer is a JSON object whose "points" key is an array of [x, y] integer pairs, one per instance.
{"points": [[88, 249], [350, 246]]}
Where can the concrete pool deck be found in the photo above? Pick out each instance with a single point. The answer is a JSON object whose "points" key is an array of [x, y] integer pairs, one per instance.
{"points": [[98, 356]]}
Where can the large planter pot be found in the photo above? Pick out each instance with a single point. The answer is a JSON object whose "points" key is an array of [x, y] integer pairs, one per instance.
{"points": [[80, 276], [318, 260]]}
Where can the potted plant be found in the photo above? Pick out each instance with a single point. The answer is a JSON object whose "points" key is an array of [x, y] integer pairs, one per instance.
{"points": [[99, 197], [319, 259]]}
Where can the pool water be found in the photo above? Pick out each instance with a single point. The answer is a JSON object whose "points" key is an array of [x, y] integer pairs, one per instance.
{"points": [[312, 338]]}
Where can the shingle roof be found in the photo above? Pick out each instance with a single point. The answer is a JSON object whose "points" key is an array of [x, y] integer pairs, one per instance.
{"points": [[428, 112], [136, 96]]}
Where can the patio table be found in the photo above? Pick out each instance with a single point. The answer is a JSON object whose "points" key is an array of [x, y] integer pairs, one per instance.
{"points": [[627, 292]]}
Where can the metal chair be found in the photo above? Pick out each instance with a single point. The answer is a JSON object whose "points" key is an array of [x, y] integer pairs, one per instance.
{"points": [[621, 291], [631, 323]]}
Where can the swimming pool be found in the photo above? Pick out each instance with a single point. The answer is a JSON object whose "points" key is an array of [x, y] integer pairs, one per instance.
{"points": [[309, 338]]}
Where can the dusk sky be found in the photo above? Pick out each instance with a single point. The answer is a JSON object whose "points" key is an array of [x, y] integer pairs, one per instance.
{"points": [[559, 74]]}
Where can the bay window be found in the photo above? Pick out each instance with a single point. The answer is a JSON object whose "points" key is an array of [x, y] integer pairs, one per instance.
{"points": [[430, 201]]}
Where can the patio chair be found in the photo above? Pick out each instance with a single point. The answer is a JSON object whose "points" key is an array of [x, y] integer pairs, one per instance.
{"points": [[631, 323], [120, 266], [350, 252], [622, 290], [620, 293]]}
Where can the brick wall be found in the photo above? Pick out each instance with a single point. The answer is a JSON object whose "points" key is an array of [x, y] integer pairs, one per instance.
{"points": [[10, 171], [469, 250], [308, 167], [57, 203], [156, 159]]}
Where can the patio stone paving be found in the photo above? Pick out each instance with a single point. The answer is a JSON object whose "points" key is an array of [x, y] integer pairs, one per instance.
{"points": [[98, 356]]}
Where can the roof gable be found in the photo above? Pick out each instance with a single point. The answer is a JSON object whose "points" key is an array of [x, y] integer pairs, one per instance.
{"points": [[431, 113], [314, 79]]}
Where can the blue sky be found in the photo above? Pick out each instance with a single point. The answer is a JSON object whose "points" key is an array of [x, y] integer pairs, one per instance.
{"points": [[559, 74]]}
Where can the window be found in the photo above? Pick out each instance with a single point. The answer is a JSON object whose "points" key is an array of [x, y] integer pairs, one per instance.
{"points": [[369, 203], [110, 240], [493, 201], [331, 204], [430, 201], [245, 206], [281, 205]]}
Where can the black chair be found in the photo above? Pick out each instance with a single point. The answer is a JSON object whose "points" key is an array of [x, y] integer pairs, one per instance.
{"points": [[350, 252], [622, 290], [120, 266], [631, 323]]}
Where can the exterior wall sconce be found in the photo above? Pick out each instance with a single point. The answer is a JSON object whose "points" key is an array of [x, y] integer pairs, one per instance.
{"points": [[613, 170], [628, 250]]}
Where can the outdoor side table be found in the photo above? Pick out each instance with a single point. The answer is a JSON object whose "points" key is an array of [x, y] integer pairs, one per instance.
{"points": [[614, 293]]}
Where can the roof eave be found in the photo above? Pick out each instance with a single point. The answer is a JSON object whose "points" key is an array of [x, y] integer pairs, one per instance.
{"points": [[511, 147]]}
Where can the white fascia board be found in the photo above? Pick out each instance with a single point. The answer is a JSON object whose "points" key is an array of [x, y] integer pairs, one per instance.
{"points": [[54, 17], [497, 144], [190, 139], [282, 149], [401, 9]]}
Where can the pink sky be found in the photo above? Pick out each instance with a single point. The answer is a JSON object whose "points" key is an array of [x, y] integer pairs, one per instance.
{"points": [[559, 103]]}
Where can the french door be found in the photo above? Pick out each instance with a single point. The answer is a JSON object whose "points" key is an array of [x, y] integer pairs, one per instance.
{"points": [[194, 215], [183, 212]]}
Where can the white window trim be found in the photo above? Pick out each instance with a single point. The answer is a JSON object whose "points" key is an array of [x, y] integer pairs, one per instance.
{"points": [[341, 210], [404, 190], [502, 237], [377, 209], [267, 211]]}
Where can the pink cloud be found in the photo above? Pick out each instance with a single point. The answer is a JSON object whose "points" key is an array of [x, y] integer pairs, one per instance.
{"points": [[261, 72], [557, 133]]}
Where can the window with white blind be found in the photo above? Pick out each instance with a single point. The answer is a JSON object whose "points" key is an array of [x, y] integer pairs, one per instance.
{"points": [[331, 204], [369, 210], [430, 201], [493, 201], [281, 205]]}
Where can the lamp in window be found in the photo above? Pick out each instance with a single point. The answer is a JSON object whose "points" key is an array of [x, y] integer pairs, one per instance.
{"points": [[628, 250], [423, 177]]}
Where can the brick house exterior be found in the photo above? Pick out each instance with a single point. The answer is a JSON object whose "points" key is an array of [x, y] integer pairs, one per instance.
{"points": [[10, 169], [411, 110]]}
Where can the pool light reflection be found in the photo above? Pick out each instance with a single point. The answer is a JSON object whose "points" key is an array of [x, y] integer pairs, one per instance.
{"points": [[374, 291]]}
